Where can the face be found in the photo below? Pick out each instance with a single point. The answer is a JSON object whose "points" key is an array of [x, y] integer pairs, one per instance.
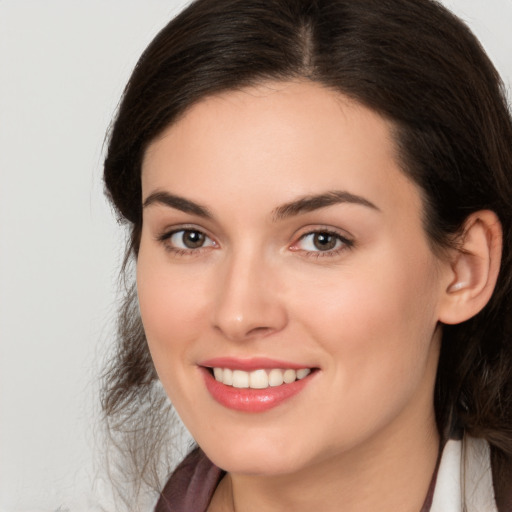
{"points": [[283, 249]]}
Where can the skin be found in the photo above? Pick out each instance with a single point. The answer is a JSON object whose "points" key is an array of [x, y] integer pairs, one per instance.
{"points": [[361, 435]]}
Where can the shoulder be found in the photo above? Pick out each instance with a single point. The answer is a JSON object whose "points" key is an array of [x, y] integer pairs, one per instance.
{"points": [[471, 478], [191, 486]]}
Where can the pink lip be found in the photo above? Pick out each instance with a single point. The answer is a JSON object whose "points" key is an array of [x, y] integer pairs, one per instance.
{"points": [[251, 400], [251, 364]]}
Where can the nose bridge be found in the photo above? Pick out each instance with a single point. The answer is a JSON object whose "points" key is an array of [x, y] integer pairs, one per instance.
{"points": [[248, 303]]}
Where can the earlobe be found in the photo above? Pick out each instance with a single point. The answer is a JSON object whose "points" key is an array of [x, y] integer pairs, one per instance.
{"points": [[474, 268]]}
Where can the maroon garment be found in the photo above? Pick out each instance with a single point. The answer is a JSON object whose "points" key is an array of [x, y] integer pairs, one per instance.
{"points": [[191, 486]]}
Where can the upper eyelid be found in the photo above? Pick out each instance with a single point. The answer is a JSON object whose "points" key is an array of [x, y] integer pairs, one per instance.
{"points": [[307, 230], [168, 231], [329, 231]]}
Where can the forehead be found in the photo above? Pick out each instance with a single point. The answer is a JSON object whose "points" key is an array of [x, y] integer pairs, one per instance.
{"points": [[288, 138], [273, 105]]}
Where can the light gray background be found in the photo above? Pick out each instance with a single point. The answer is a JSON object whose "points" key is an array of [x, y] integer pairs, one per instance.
{"points": [[63, 65]]}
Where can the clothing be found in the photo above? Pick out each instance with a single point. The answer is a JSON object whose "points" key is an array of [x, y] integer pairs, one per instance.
{"points": [[464, 479], [462, 482], [191, 486]]}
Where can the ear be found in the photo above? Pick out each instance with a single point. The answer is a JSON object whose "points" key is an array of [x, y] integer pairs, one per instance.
{"points": [[474, 267]]}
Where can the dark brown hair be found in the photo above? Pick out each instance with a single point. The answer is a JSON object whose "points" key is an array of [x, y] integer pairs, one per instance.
{"points": [[414, 63]]}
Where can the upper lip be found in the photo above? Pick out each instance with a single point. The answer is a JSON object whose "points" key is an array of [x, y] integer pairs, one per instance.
{"points": [[251, 364]]}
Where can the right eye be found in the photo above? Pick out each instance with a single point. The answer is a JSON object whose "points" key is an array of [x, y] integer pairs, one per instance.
{"points": [[187, 240]]}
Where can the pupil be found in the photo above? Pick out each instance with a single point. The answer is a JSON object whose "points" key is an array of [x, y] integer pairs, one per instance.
{"points": [[193, 239], [324, 241]]}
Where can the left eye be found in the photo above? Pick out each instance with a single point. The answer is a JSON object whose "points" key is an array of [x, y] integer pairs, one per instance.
{"points": [[189, 239], [321, 241]]}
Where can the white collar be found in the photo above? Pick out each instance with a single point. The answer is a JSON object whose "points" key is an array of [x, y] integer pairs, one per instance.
{"points": [[464, 479]]}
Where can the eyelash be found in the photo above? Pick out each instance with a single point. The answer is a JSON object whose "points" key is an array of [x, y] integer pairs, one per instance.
{"points": [[166, 237], [345, 243]]}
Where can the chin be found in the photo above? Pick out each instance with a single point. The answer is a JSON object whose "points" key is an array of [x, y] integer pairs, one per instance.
{"points": [[249, 459], [261, 466]]}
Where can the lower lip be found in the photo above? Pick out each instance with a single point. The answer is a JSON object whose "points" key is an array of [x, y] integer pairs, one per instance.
{"points": [[252, 400]]}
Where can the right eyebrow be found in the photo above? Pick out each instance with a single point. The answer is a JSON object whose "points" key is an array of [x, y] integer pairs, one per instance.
{"points": [[178, 203]]}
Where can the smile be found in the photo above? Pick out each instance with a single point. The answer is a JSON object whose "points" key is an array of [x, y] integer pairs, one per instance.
{"points": [[254, 386], [259, 379]]}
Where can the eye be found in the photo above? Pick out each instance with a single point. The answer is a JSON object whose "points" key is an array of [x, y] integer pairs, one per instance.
{"points": [[323, 241], [187, 239]]}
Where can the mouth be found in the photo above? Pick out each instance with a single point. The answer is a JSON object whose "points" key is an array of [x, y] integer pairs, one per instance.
{"points": [[262, 378], [257, 388]]}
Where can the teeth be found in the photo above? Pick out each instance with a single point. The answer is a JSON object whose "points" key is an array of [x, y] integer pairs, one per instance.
{"points": [[275, 377], [303, 373], [240, 379], [258, 379], [218, 373], [289, 376], [227, 377]]}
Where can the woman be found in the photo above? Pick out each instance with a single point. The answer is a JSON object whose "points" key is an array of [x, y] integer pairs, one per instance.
{"points": [[319, 201]]}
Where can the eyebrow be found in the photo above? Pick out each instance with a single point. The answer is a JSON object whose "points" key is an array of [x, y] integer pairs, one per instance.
{"points": [[178, 203], [296, 207], [315, 202]]}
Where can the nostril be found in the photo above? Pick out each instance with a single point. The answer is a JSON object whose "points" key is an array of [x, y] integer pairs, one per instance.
{"points": [[259, 330], [240, 332]]}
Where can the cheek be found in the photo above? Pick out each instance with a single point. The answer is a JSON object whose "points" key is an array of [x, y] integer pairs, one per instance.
{"points": [[388, 295], [376, 322], [172, 306]]}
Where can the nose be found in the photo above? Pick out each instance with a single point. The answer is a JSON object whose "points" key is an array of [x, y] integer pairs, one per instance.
{"points": [[249, 302]]}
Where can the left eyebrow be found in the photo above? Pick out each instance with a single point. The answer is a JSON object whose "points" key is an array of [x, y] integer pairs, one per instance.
{"points": [[311, 203]]}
